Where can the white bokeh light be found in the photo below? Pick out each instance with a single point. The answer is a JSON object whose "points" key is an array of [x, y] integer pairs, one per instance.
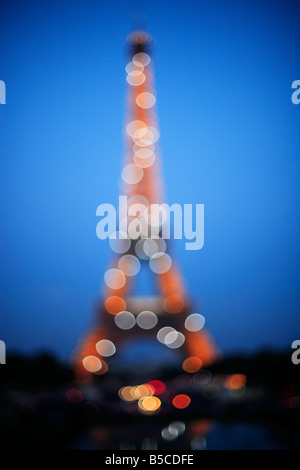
{"points": [[125, 320], [174, 339], [129, 264], [114, 278], [194, 322], [160, 263], [147, 320], [163, 332], [106, 348]]}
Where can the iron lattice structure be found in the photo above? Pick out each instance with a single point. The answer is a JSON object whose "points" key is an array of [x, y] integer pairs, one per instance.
{"points": [[121, 316]]}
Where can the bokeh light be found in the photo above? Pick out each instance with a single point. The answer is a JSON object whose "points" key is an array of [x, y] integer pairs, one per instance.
{"points": [[92, 363], [105, 348], [145, 100], [174, 303], [149, 404], [158, 386], [129, 265], [160, 263], [192, 364], [132, 174], [163, 332], [194, 322], [115, 304], [114, 278], [181, 401], [146, 320], [125, 320], [141, 59], [119, 242], [174, 339]]}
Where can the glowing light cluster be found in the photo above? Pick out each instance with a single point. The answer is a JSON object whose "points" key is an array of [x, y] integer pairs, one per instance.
{"points": [[142, 136], [135, 69], [143, 394]]}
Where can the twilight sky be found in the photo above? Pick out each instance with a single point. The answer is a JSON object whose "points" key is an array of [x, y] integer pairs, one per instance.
{"points": [[229, 139]]}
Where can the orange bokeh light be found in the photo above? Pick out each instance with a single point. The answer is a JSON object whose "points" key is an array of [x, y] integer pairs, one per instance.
{"points": [[192, 364], [181, 401], [115, 304], [173, 303], [236, 381]]}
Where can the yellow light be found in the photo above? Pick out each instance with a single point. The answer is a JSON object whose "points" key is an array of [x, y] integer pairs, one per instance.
{"points": [[149, 404], [125, 394]]}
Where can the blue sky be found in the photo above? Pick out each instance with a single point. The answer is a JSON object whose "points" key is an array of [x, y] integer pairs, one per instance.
{"points": [[229, 139]]}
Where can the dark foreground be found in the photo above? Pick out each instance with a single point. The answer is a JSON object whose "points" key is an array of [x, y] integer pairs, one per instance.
{"points": [[43, 407]]}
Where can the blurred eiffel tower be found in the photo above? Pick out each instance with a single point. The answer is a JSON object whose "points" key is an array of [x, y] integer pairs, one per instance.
{"points": [[168, 317]]}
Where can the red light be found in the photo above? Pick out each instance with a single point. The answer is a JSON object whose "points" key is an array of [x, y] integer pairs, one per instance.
{"points": [[181, 401], [158, 386]]}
